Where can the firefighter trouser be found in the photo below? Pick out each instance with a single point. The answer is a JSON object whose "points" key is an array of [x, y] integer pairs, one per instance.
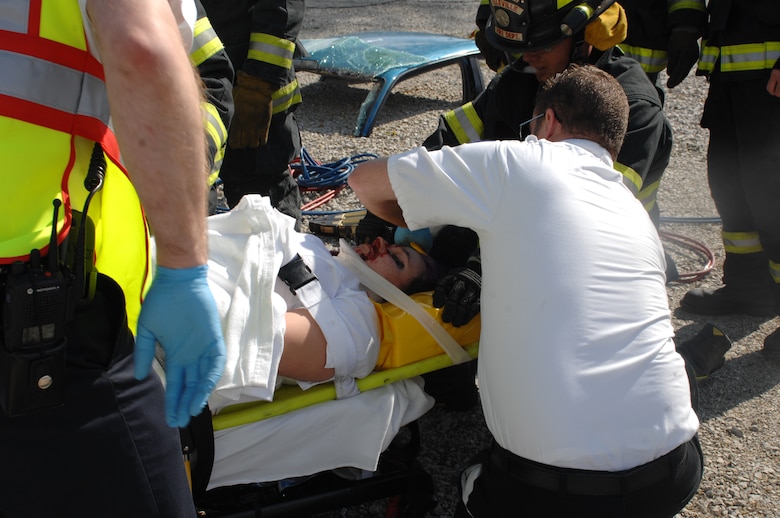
{"points": [[265, 170], [743, 158]]}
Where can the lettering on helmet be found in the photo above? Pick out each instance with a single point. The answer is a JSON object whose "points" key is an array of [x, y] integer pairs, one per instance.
{"points": [[514, 36], [508, 5]]}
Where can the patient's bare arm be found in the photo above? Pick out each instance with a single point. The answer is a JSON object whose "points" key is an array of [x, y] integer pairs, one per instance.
{"points": [[304, 352]]}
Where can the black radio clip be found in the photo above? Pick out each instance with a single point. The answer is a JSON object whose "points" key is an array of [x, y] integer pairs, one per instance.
{"points": [[36, 308], [39, 299]]}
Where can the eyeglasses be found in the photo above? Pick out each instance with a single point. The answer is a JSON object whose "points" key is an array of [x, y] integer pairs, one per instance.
{"points": [[526, 125]]}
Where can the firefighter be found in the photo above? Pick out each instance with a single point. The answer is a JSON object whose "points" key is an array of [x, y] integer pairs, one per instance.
{"points": [[741, 58], [664, 34], [217, 74], [508, 100], [495, 59], [260, 37]]}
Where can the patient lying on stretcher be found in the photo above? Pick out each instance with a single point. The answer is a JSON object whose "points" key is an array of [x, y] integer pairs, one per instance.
{"points": [[327, 329]]}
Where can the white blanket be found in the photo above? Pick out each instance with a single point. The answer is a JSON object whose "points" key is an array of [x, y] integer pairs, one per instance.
{"points": [[243, 265], [349, 432]]}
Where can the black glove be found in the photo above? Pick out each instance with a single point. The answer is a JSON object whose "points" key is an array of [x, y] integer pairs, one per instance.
{"points": [[683, 50], [495, 59], [459, 293], [372, 227]]}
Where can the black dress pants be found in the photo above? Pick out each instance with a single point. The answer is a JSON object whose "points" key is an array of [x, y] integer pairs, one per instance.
{"points": [[510, 486], [108, 450]]}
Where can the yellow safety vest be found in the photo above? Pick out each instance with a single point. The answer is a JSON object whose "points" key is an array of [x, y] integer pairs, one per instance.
{"points": [[53, 108]]}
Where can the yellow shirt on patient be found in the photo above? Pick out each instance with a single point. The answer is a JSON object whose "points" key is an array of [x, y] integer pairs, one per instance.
{"points": [[404, 340]]}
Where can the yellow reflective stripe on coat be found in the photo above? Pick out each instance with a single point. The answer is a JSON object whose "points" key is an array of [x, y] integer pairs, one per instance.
{"points": [[465, 124], [652, 60], [774, 270], [676, 5], [741, 242], [709, 55], [740, 58], [631, 178], [285, 97], [648, 195], [205, 42], [271, 49], [749, 56], [216, 138]]}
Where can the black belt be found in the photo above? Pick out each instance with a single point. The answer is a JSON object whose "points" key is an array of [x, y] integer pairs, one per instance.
{"points": [[584, 482]]}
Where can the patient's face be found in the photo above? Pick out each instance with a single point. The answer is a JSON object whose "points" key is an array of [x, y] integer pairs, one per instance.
{"points": [[398, 264]]}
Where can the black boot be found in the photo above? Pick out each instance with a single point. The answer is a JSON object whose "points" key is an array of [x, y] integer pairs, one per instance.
{"points": [[454, 387], [705, 352], [772, 342], [772, 345], [748, 289]]}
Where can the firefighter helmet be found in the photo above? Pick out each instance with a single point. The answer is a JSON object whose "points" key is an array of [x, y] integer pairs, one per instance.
{"points": [[517, 26]]}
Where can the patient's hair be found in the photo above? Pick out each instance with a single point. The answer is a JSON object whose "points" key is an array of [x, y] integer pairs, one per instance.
{"points": [[434, 271], [451, 248], [589, 103]]}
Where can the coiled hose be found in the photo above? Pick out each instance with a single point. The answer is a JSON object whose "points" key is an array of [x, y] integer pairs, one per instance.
{"points": [[330, 177]]}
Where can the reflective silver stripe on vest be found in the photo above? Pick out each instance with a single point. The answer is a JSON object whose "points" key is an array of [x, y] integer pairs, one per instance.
{"points": [[52, 85], [14, 17]]}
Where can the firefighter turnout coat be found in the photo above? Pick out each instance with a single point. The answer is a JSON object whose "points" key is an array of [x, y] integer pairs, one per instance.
{"points": [[496, 114]]}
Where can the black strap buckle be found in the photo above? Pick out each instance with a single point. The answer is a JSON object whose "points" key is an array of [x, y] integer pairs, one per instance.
{"points": [[296, 274]]}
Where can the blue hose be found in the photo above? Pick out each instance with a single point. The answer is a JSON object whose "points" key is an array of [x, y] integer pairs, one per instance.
{"points": [[313, 176]]}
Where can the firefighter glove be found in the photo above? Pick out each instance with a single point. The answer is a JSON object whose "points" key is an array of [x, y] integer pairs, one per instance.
{"points": [[254, 108], [495, 59], [459, 293], [372, 227], [180, 314], [683, 50]]}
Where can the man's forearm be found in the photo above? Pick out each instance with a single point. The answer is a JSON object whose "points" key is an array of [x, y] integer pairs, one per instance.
{"points": [[372, 186], [154, 100]]}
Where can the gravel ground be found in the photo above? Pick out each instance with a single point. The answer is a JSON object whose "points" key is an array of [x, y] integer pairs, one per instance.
{"points": [[739, 409]]}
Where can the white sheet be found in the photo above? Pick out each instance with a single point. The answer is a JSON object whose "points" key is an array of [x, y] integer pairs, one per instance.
{"points": [[247, 246], [350, 432], [243, 264]]}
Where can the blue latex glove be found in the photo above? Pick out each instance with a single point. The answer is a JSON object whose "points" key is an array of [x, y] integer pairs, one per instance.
{"points": [[405, 237], [179, 312]]}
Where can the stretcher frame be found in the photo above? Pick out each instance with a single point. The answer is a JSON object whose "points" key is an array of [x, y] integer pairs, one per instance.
{"points": [[399, 477]]}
